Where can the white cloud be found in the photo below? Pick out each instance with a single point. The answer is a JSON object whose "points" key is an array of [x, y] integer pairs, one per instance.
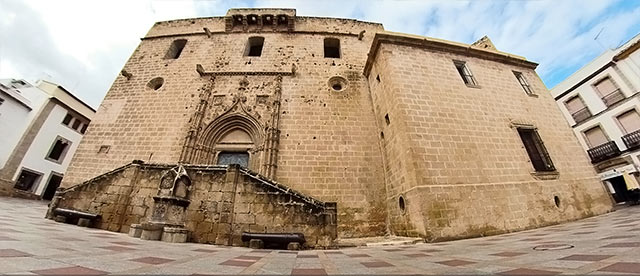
{"points": [[84, 44]]}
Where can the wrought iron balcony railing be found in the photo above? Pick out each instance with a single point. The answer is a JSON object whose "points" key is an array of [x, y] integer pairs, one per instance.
{"points": [[632, 140], [613, 97], [603, 152], [581, 115]]}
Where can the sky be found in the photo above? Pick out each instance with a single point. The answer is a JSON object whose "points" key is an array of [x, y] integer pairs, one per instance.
{"points": [[83, 44]]}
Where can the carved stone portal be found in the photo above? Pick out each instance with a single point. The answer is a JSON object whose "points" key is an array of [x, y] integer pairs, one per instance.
{"points": [[236, 123]]}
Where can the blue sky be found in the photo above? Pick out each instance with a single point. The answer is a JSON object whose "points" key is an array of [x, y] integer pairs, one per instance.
{"points": [[84, 44]]}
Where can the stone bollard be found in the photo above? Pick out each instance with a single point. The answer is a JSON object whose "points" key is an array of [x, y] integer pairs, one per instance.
{"points": [[256, 244]]}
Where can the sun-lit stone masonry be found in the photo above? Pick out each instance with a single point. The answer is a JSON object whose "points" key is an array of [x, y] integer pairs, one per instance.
{"points": [[409, 135], [215, 204]]}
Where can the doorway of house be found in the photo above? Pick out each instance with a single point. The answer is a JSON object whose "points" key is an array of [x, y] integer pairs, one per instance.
{"points": [[620, 187], [52, 186]]}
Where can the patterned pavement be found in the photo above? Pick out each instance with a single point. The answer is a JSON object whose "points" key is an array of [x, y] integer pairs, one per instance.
{"points": [[29, 244]]}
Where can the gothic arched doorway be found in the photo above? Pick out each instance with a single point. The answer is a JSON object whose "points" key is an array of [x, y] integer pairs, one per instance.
{"points": [[230, 139]]}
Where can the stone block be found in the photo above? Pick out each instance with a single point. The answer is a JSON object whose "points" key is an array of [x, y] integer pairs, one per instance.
{"points": [[294, 246], [135, 230], [175, 234], [59, 218], [256, 244], [84, 222], [151, 231]]}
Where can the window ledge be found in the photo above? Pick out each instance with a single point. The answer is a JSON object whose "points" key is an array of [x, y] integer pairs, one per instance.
{"points": [[533, 95], [473, 86], [546, 175], [53, 160]]}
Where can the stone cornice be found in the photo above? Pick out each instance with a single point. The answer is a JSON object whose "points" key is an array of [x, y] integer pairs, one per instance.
{"points": [[441, 45], [264, 31]]}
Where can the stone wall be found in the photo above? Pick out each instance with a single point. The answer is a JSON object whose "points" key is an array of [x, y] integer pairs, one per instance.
{"points": [[453, 152], [224, 202], [409, 128], [328, 140]]}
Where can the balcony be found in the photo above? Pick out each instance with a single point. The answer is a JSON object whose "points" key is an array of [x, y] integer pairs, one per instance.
{"points": [[613, 98], [581, 115], [603, 152], [632, 140]]}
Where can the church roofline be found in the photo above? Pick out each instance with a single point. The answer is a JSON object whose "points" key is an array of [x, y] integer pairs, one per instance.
{"points": [[442, 45], [297, 16]]}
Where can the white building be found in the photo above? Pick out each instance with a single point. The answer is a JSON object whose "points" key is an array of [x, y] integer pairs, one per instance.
{"points": [[601, 102], [41, 128]]}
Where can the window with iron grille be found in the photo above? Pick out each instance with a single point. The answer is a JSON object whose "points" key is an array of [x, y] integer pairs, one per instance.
{"points": [[523, 82], [536, 150], [465, 73]]}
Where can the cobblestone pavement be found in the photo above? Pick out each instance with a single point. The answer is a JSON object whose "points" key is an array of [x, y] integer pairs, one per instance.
{"points": [[29, 244]]}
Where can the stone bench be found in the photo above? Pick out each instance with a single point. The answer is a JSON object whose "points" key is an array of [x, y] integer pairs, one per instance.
{"points": [[83, 219]]}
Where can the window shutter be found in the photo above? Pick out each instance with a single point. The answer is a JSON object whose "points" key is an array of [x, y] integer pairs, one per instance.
{"points": [[595, 137], [630, 121]]}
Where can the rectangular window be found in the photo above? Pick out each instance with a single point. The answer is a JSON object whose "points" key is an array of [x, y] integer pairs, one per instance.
{"points": [[254, 46], [608, 91], [58, 150], [629, 121], [1, 101], [27, 180], [67, 119], [536, 150], [228, 158], [577, 109], [331, 48], [175, 49], [76, 124], [84, 128], [465, 73], [595, 137], [523, 82]]}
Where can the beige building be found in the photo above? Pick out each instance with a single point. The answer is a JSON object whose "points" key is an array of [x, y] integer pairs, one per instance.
{"points": [[600, 101], [408, 135]]}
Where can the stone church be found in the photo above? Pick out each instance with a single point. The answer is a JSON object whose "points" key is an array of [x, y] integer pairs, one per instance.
{"points": [[263, 121]]}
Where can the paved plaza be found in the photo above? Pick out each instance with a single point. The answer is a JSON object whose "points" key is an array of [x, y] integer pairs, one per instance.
{"points": [[30, 244]]}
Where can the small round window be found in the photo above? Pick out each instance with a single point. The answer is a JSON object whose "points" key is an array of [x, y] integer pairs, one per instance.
{"points": [[338, 84], [401, 204], [155, 83]]}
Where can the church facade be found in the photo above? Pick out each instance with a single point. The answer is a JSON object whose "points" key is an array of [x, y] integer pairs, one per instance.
{"points": [[372, 132]]}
